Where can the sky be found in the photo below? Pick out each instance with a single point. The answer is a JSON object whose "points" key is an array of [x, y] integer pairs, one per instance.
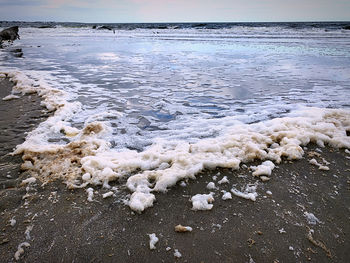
{"points": [[125, 11]]}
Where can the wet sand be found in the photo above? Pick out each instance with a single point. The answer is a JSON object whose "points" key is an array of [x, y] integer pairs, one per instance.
{"points": [[18, 116], [62, 226]]}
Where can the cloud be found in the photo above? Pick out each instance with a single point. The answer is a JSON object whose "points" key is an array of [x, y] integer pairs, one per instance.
{"points": [[92, 4], [4, 3]]}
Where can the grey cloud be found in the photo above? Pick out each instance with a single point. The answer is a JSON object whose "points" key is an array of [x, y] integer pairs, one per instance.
{"points": [[4, 3]]}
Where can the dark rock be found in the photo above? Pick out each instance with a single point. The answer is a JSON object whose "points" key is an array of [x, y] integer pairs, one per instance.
{"points": [[157, 27], [18, 55], [93, 27], [104, 27], [346, 27], [199, 25], [16, 50], [47, 26], [293, 25], [9, 34]]}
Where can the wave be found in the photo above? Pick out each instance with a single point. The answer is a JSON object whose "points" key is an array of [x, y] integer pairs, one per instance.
{"points": [[197, 25]]}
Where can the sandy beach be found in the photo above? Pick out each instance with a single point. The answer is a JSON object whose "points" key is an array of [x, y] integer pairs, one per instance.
{"points": [[300, 215]]}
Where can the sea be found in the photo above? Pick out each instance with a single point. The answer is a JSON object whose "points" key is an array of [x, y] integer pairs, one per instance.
{"points": [[162, 91]]}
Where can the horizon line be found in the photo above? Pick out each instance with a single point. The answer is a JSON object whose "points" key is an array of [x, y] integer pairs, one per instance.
{"points": [[183, 22]]}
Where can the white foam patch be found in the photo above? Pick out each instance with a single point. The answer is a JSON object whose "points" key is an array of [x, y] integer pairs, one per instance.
{"points": [[10, 97], [320, 166], [211, 186], [108, 194], [20, 250], [140, 201], [29, 180], [86, 177], [153, 240], [90, 192], [27, 232], [177, 253], [249, 192], [224, 180], [226, 196], [202, 201], [311, 218], [263, 169], [13, 222]]}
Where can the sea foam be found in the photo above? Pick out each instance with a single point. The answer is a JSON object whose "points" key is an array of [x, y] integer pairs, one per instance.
{"points": [[164, 163]]}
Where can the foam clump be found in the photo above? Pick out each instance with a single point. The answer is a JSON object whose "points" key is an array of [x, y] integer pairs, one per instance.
{"points": [[90, 192], [10, 97], [70, 131], [202, 201], [27, 232], [29, 180], [140, 201], [311, 218], [224, 180], [27, 165], [177, 253], [20, 250], [108, 194], [211, 186], [153, 240], [13, 222], [86, 177], [248, 193], [263, 169], [226, 196], [320, 166]]}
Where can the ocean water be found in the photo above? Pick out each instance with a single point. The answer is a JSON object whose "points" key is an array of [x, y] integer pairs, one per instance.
{"points": [[178, 85]]}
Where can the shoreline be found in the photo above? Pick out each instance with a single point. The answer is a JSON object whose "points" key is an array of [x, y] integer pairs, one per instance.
{"points": [[61, 224], [19, 116]]}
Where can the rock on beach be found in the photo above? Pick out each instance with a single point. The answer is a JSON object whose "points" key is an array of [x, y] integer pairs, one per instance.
{"points": [[9, 34]]}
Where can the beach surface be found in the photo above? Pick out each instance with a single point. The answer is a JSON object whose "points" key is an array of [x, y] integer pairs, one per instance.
{"points": [[300, 215]]}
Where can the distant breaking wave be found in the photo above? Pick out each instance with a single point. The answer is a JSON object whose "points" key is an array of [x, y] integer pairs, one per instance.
{"points": [[204, 25]]}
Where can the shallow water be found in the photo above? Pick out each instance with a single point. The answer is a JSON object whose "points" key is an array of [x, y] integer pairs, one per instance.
{"points": [[187, 83]]}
